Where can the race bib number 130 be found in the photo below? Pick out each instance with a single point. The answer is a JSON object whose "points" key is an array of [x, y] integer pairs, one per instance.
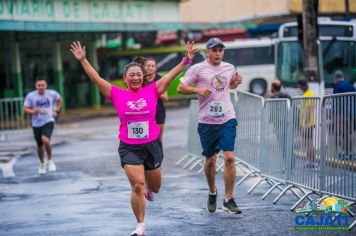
{"points": [[138, 130], [216, 108]]}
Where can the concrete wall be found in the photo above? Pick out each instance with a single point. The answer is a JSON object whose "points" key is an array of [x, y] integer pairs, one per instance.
{"points": [[229, 10], [325, 6], [232, 10]]}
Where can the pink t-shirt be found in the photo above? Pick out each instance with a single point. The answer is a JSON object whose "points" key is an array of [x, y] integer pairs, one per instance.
{"points": [[136, 112], [217, 108]]}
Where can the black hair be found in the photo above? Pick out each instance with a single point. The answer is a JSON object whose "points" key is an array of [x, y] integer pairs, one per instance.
{"points": [[132, 64], [41, 77], [276, 87], [303, 82], [139, 59]]}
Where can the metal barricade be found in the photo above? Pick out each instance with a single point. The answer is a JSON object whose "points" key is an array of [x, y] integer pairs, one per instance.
{"points": [[339, 140], [304, 165], [338, 167], [273, 150], [249, 112], [194, 157], [274, 138], [12, 115]]}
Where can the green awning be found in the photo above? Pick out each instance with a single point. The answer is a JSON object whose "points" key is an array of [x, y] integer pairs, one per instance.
{"points": [[115, 27]]}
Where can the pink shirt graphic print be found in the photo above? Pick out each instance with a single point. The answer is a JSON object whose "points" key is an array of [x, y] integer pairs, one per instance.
{"points": [[136, 112], [217, 108]]}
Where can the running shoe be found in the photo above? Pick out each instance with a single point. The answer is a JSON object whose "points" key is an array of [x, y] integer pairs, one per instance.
{"points": [[51, 166], [149, 195], [211, 204], [231, 206], [42, 169], [139, 231]]}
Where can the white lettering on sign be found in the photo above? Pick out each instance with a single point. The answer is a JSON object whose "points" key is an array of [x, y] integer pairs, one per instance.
{"points": [[89, 11]]}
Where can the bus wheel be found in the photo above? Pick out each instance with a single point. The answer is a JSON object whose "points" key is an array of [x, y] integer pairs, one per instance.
{"points": [[258, 86]]}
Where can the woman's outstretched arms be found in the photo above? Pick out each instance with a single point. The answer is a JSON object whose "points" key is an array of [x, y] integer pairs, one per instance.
{"points": [[79, 54]]}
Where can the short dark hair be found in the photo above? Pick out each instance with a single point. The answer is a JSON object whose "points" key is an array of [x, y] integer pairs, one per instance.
{"points": [[276, 87], [303, 81], [40, 78]]}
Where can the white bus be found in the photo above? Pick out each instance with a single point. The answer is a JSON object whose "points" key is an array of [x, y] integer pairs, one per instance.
{"points": [[254, 60], [337, 50]]}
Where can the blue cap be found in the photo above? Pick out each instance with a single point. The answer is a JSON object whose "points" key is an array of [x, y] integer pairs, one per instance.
{"points": [[338, 74], [214, 42]]}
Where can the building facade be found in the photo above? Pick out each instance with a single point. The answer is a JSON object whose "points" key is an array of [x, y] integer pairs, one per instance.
{"points": [[35, 35], [240, 10], [35, 38]]}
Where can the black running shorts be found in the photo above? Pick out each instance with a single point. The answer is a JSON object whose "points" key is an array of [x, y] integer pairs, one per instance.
{"points": [[45, 130], [150, 155]]}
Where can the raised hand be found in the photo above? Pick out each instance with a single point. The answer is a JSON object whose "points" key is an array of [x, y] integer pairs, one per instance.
{"points": [[77, 50], [189, 51], [237, 78]]}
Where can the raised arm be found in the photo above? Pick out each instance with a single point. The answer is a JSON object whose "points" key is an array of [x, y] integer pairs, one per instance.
{"points": [[166, 80], [79, 54]]}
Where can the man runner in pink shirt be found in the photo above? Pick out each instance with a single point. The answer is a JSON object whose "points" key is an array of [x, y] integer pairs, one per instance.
{"points": [[140, 147], [217, 120]]}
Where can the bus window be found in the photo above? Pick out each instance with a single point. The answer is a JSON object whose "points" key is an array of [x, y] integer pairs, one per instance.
{"points": [[199, 57], [290, 61], [338, 55], [249, 56], [167, 61]]}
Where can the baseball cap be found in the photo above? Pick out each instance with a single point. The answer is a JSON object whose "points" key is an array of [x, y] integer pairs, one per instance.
{"points": [[214, 42], [338, 74]]}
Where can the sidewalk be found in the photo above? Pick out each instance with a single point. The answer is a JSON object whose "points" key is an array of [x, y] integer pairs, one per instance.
{"points": [[74, 115], [17, 143]]}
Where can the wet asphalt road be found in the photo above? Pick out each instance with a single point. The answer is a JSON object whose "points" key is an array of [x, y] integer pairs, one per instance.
{"points": [[89, 194]]}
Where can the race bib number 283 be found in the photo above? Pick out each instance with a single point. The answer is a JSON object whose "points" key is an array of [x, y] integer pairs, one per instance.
{"points": [[138, 130], [216, 108]]}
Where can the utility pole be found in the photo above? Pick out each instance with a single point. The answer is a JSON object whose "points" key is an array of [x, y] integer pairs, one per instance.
{"points": [[347, 9], [310, 37]]}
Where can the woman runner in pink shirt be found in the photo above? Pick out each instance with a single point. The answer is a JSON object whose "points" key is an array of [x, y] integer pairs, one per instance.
{"points": [[140, 148]]}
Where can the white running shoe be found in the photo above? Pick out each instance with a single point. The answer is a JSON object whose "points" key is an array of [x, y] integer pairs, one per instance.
{"points": [[42, 169], [139, 231], [51, 166]]}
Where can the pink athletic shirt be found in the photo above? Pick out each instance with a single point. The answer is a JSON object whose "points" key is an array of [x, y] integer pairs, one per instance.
{"points": [[217, 108], [136, 112]]}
